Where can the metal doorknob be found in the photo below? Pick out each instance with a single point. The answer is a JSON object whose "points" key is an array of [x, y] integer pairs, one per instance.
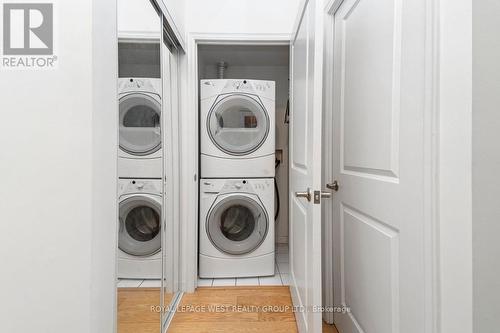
{"points": [[333, 186], [306, 194], [326, 195]]}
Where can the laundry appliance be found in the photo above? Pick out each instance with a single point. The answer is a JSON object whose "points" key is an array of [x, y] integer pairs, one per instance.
{"points": [[140, 153], [237, 128], [139, 237], [236, 228]]}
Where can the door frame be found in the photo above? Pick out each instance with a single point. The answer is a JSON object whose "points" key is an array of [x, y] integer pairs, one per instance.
{"points": [[440, 288], [189, 138]]}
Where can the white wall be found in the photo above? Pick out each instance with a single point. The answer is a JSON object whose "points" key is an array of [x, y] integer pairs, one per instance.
{"points": [[49, 275], [104, 172], [455, 171], [485, 165], [241, 16], [137, 16], [45, 233]]}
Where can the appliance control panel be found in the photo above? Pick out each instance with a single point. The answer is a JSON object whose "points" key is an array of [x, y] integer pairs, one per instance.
{"points": [[134, 84], [234, 185], [214, 87], [131, 186], [237, 186]]}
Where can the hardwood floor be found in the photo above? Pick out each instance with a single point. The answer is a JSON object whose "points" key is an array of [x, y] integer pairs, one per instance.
{"points": [[212, 310], [329, 328], [235, 310], [134, 310]]}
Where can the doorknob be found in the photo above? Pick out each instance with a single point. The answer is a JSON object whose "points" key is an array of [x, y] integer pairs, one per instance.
{"points": [[306, 194], [318, 195], [326, 195], [333, 186]]}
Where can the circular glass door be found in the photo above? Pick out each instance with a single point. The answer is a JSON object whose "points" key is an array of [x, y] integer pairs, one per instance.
{"points": [[237, 225], [238, 124], [140, 224], [140, 124]]}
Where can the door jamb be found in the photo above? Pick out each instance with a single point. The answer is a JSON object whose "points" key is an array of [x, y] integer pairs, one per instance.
{"points": [[189, 142], [431, 158]]}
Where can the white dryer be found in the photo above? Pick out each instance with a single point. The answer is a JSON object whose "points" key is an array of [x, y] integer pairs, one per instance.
{"points": [[236, 228], [139, 238], [237, 128], [140, 153]]}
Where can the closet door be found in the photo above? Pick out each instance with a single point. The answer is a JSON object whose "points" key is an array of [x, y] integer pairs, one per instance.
{"points": [[170, 124], [305, 166], [379, 110]]}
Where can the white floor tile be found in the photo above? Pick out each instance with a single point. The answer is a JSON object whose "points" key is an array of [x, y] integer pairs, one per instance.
{"points": [[285, 279], [151, 284], [284, 267], [282, 257], [247, 281], [205, 282], [129, 283], [270, 280], [224, 282]]}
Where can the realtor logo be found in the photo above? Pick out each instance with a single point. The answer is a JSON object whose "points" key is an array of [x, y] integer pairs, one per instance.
{"points": [[28, 29], [28, 36]]}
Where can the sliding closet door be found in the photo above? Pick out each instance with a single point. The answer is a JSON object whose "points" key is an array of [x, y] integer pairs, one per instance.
{"points": [[140, 194], [170, 122]]}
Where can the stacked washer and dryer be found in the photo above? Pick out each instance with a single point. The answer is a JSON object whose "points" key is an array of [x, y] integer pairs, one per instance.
{"points": [[140, 178], [237, 146]]}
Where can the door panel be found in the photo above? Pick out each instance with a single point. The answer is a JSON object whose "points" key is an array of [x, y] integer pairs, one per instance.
{"points": [[371, 44], [378, 116], [305, 166], [370, 269]]}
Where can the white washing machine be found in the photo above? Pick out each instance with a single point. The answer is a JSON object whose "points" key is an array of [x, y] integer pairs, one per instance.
{"points": [[237, 128], [140, 153], [139, 238], [236, 228]]}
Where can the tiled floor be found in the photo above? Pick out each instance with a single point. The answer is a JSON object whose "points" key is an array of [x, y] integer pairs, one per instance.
{"points": [[133, 283], [281, 278]]}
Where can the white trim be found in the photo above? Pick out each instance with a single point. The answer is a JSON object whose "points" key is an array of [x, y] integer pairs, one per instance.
{"points": [[431, 322], [240, 39], [189, 119], [327, 248], [455, 165], [431, 165], [171, 166], [104, 136], [171, 23], [143, 36], [298, 19]]}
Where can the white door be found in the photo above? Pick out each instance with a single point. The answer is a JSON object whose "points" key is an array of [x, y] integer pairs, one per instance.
{"points": [[305, 166], [379, 103]]}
